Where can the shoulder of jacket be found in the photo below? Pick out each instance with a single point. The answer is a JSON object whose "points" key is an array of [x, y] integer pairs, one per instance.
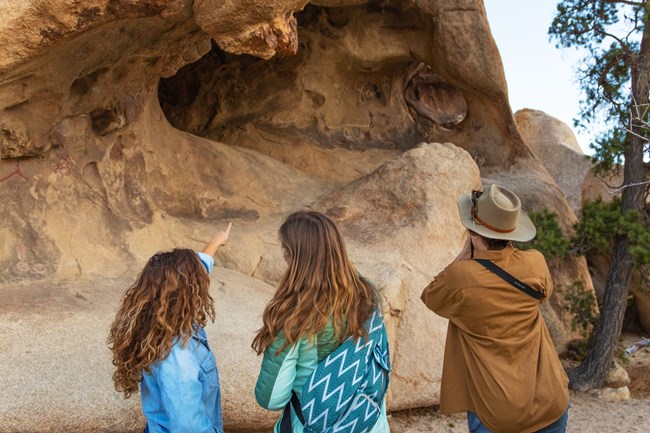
{"points": [[531, 254], [457, 266]]}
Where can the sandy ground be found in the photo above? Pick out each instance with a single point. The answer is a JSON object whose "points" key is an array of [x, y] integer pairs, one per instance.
{"points": [[588, 413]]}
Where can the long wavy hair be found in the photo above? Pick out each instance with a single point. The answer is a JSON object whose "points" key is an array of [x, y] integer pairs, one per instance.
{"points": [[319, 285], [168, 300]]}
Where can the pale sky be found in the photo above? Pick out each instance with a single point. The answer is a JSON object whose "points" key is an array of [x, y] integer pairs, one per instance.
{"points": [[539, 76]]}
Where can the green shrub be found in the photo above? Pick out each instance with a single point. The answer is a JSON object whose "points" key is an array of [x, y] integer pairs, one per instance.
{"points": [[600, 224], [550, 240], [581, 303], [594, 233], [577, 350]]}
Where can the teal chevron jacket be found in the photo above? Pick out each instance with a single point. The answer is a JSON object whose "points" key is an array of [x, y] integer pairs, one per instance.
{"points": [[289, 370]]}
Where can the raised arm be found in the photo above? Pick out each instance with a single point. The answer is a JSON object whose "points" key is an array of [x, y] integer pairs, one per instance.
{"points": [[207, 255], [218, 240]]}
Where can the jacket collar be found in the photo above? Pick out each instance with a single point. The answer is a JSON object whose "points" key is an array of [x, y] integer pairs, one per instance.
{"points": [[199, 334], [494, 254]]}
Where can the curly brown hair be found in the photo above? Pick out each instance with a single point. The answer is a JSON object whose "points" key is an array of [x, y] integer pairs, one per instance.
{"points": [[169, 300], [320, 285]]}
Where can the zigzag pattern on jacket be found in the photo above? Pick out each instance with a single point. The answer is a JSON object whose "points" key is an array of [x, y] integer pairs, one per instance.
{"points": [[351, 392]]}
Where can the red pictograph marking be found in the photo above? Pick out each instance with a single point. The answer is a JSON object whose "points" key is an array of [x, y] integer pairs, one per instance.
{"points": [[16, 172], [64, 165], [24, 266], [21, 251]]}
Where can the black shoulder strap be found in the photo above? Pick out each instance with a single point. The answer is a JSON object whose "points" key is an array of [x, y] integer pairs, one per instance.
{"points": [[285, 424], [510, 279]]}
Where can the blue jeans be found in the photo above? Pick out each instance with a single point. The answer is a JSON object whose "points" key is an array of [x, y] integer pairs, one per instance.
{"points": [[476, 426]]}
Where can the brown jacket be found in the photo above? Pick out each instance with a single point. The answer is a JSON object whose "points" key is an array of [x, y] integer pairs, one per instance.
{"points": [[499, 360]]}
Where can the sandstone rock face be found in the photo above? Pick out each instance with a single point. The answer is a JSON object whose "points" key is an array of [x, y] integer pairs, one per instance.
{"points": [[56, 359], [124, 130], [385, 95], [555, 145], [617, 377], [601, 187], [405, 198], [615, 394], [251, 27]]}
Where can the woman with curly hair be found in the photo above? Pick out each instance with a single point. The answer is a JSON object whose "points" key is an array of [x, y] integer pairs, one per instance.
{"points": [[321, 300], [159, 344]]}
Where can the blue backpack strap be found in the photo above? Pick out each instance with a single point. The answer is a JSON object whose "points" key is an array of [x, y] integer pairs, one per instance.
{"points": [[285, 424]]}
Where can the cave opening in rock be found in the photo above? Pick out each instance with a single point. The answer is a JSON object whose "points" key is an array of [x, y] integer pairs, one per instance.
{"points": [[360, 81]]}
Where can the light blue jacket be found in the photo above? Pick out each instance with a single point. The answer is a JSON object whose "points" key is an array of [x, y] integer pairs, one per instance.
{"points": [[290, 369], [181, 393]]}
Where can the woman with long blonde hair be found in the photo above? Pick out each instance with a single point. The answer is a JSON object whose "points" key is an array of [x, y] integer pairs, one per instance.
{"points": [[321, 300], [160, 347]]}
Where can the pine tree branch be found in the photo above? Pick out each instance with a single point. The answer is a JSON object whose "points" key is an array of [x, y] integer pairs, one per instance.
{"points": [[630, 185], [617, 39], [607, 185]]}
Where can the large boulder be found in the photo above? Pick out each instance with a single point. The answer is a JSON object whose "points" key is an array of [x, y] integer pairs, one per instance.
{"points": [[555, 144], [403, 222], [56, 369]]}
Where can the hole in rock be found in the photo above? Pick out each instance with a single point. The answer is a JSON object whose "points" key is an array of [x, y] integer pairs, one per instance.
{"points": [[355, 85], [82, 85]]}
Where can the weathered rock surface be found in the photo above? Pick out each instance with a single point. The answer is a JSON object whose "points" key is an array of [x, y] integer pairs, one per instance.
{"points": [[405, 217], [392, 90], [617, 377], [614, 394], [102, 163], [554, 143], [55, 368], [250, 27]]}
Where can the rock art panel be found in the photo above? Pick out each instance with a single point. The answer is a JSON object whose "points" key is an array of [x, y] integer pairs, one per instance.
{"points": [[391, 90]]}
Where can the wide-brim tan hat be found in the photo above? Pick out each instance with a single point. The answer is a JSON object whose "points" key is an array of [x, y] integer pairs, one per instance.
{"points": [[497, 215]]}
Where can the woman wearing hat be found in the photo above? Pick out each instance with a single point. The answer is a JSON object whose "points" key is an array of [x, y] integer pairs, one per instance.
{"points": [[500, 365]]}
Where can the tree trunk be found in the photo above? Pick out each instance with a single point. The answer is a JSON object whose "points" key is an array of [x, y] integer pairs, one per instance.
{"points": [[592, 372]]}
